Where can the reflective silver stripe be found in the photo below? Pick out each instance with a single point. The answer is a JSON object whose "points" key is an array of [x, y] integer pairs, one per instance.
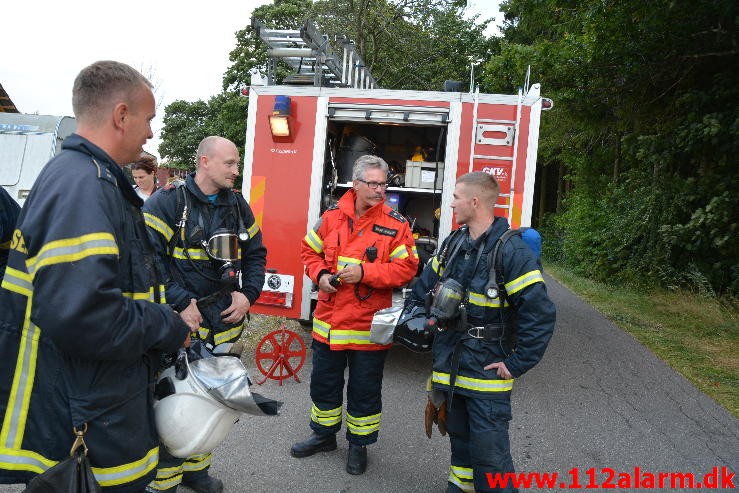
{"points": [[478, 384], [20, 394], [17, 460], [525, 280], [197, 462], [350, 337], [363, 426], [314, 241], [111, 476], [462, 478], [226, 336], [401, 252], [344, 261], [17, 281], [158, 225], [70, 250], [253, 230], [330, 417], [321, 328]]}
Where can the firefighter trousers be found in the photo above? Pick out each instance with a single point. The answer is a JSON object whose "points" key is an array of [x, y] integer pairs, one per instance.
{"points": [[171, 471], [363, 392], [478, 431]]}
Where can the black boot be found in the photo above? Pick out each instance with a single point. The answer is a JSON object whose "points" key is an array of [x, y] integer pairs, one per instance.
{"points": [[356, 462], [315, 443], [204, 484]]}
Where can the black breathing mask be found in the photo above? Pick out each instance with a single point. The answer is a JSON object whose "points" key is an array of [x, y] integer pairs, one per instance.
{"points": [[444, 304]]}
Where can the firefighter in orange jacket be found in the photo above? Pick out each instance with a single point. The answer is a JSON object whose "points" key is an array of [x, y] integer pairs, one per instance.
{"points": [[357, 253]]}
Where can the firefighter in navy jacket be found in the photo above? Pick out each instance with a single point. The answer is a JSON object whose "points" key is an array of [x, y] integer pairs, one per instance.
{"points": [[367, 249], [9, 211], [81, 333], [489, 354], [211, 206]]}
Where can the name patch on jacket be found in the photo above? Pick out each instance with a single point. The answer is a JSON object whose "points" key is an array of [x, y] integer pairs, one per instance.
{"points": [[384, 231]]}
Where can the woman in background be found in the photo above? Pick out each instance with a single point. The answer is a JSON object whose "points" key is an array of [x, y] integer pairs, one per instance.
{"points": [[144, 176]]}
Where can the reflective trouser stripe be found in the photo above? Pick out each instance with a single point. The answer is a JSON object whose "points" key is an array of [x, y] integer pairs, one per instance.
{"points": [[364, 425], [462, 478], [477, 384], [197, 462], [329, 417], [167, 477]]}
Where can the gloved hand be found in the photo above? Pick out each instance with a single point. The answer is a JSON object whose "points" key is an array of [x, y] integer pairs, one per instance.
{"points": [[435, 412]]}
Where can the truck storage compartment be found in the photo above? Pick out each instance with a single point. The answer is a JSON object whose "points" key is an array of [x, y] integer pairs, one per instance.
{"points": [[415, 157]]}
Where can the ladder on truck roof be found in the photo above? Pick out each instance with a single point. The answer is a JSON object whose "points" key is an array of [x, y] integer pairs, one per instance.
{"points": [[312, 58]]}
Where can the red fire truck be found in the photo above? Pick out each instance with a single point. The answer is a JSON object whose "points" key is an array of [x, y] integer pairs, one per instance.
{"points": [[302, 140]]}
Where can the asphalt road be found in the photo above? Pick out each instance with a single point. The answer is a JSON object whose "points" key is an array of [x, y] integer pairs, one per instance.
{"points": [[598, 399]]}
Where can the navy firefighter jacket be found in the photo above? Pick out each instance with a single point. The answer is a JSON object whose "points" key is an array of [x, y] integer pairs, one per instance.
{"points": [[528, 311], [81, 334], [192, 273]]}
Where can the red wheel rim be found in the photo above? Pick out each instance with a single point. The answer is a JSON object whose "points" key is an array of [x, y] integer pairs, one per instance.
{"points": [[280, 354]]}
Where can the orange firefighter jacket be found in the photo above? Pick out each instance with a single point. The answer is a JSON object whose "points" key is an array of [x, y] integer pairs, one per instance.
{"points": [[339, 239]]}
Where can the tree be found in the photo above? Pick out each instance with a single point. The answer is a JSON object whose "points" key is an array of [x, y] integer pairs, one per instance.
{"points": [[645, 127]]}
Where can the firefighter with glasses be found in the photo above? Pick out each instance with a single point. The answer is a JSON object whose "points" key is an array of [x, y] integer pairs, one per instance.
{"points": [[357, 253]]}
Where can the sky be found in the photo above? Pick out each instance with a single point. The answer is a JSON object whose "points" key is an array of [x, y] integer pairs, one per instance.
{"points": [[182, 47]]}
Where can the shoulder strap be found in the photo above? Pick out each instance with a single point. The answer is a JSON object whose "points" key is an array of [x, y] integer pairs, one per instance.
{"points": [[182, 211], [495, 287], [452, 247]]}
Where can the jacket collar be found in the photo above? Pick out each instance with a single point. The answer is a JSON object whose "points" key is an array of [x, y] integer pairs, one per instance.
{"points": [[347, 205], [80, 144], [225, 195]]}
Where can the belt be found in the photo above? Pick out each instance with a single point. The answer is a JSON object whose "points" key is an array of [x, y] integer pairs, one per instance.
{"points": [[490, 333]]}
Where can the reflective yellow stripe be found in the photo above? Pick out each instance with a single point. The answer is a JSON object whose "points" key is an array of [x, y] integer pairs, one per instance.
{"points": [[71, 250], [401, 252], [16, 412], [435, 265], [527, 279], [253, 230], [344, 261], [480, 299], [17, 281], [228, 335], [26, 460], [343, 337], [127, 473], [197, 462], [321, 328], [158, 225], [330, 417], [314, 241], [478, 384], [203, 333], [415, 251], [194, 253], [149, 295], [363, 426], [462, 477]]}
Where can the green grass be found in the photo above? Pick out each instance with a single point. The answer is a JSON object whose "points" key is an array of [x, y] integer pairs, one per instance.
{"points": [[697, 336]]}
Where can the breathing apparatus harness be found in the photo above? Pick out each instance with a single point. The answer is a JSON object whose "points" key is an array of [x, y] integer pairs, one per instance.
{"points": [[446, 302], [222, 247]]}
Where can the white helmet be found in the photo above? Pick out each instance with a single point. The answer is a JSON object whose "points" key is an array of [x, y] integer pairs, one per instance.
{"points": [[198, 402]]}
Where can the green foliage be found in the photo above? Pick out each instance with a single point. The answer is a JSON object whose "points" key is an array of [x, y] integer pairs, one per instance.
{"points": [[645, 123]]}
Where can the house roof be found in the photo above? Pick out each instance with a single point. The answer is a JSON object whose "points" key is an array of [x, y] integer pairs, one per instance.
{"points": [[6, 105]]}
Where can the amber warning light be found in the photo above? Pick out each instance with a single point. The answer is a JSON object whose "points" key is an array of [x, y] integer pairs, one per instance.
{"points": [[279, 120]]}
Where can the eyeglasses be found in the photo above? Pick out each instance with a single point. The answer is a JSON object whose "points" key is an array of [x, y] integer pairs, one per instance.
{"points": [[374, 185]]}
